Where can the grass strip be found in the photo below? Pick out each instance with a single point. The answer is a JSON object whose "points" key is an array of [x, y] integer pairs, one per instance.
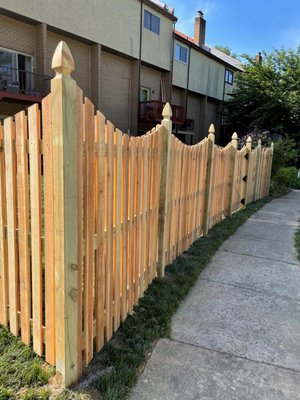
{"points": [[297, 241], [123, 358], [22, 373]]}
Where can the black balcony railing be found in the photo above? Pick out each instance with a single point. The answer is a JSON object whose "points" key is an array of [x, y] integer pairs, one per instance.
{"points": [[151, 111], [17, 81]]}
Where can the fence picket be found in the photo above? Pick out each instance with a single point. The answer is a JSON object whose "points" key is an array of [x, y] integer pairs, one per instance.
{"points": [[10, 179], [3, 241], [23, 218], [49, 231]]}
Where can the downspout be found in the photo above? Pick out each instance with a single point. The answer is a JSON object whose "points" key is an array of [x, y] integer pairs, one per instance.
{"points": [[139, 66], [172, 61], [187, 84]]}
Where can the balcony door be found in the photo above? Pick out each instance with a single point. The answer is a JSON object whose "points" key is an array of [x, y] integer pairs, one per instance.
{"points": [[15, 71]]}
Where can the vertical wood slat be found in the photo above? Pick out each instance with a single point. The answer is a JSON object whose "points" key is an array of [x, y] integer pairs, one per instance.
{"points": [[89, 210], [138, 195], [110, 209], [100, 263], [49, 231], [3, 242], [23, 218], [118, 237], [132, 169], [126, 276], [36, 226], [13, 270], [80, 225]]}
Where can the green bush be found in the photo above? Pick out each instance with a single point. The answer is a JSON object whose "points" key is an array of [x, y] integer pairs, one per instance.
{"points": [[284, 180], [284, 173]]}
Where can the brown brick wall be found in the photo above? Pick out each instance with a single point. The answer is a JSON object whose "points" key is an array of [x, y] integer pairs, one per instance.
{"points": [[17, 36], [81, 53], [115, 96]]}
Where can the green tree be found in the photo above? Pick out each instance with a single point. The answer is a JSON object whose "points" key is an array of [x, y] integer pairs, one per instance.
{"points": [[226, 50], [267, 95]]}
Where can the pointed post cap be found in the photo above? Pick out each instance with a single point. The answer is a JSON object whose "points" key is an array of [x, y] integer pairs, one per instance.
{"points": [[62, 61], [211, 132], [249, 143], [167, 111], [272, 145], [259, 143], [234, 140]]}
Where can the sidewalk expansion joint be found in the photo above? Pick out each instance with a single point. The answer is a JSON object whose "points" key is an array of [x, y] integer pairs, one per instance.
{"points": [[222, 352], [261, 257], [250, 289]]}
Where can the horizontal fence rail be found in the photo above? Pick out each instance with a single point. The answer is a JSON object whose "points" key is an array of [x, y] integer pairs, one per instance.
{"points": [[89, 216]]}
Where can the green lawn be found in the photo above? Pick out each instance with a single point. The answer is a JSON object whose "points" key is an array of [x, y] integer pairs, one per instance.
{"points": [[22, 373], [116, 368]]}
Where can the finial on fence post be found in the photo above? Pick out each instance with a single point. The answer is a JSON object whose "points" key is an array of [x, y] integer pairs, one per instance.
{"points": [[259, 143], [165, 151], [211, 131], [62, 61], [234, 140], [167, 114], [272, 146], [249, 143], [66, 109]]}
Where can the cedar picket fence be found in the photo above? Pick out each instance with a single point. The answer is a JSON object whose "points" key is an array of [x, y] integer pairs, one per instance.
{"points": [[90, 216]]}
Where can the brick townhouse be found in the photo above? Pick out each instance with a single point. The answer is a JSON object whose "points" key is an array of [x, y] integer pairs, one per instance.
{"points": [[129, 61]]}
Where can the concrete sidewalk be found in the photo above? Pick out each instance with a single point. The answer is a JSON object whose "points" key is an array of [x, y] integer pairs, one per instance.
{"points": [[237, 335]]}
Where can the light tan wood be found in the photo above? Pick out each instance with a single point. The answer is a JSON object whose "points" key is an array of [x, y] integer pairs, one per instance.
{"points": [[132, 156], [13, 270], [100, 264], [64, 124], [126, 276], [110, 217], [49, 231], [234, 144], [3, 242], [23, 218], [209, 177], [165, 132], [89, 217], [118, 235], [36, 225]]}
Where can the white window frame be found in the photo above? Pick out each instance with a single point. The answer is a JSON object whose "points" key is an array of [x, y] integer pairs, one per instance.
{"points": [[187, 53], [148, 90]]}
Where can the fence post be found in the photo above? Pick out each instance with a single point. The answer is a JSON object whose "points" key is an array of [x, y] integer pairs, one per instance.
{"points": [[257, 177], [246, 172], [234, 145], [64, 128], [209, 177], [165, 133], [270, 170]]}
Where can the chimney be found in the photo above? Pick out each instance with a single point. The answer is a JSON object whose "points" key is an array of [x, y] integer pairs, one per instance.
{"points": [[258, 58], [200, 27]]}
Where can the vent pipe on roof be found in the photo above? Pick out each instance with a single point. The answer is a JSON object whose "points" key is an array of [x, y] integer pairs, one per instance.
{"points": [[200, 28]]}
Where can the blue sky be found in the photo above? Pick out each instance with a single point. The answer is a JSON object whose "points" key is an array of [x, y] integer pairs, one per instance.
{"points": [[245, 26]]}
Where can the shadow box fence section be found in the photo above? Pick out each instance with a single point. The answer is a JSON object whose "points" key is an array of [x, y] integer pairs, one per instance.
{"points": [[89, 216]]}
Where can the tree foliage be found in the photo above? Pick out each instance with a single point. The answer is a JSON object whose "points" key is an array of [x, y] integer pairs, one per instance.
{"points": [[226, 50], [267, 95]]}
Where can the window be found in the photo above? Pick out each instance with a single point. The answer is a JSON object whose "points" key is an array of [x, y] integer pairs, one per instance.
{"points": [[145, 94], [229, 76], [151, 22], [181, 53]]}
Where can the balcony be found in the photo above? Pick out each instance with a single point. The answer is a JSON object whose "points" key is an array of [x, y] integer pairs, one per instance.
{"points": [[151, 112], [22, 86]]}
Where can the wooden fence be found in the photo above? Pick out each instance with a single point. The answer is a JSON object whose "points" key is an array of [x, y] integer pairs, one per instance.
{"points": [[90, 216]]}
